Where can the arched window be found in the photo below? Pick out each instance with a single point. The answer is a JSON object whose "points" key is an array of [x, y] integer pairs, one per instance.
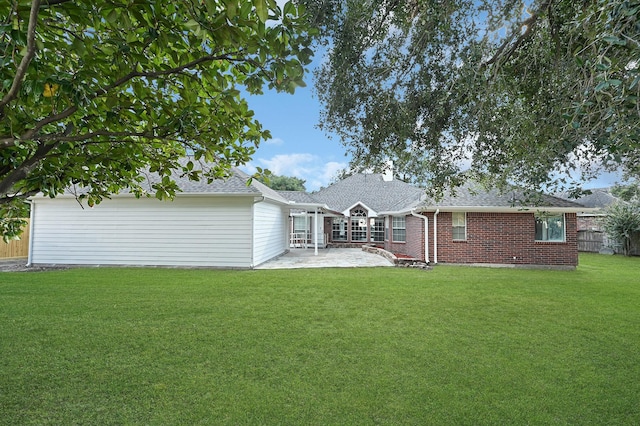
{"points": [[358, 225]]}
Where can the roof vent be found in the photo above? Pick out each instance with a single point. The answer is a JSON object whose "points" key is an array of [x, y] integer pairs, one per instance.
{"points": [[387, 174]]}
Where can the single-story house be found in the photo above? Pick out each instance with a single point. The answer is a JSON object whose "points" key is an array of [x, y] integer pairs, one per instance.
{"points": [[470, 226], [232, 224]]}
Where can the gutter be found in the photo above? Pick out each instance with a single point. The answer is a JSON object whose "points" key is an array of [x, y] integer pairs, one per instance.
{"points": [[426, 233]]}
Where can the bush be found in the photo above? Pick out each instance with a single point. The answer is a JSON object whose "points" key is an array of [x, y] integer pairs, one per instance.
{"points": [[622, 224]]}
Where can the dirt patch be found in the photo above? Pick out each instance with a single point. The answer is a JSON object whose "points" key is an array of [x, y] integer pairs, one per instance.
{"points": [[20, 265]]}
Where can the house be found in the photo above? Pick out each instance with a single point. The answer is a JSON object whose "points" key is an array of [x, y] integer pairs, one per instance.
{"points": [[472, 226], [591, 235], [225, 224], [232, 224]]}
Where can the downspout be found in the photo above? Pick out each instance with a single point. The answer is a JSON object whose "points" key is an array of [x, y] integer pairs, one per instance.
{"points": [[315, 230], [435, 236], [32, 214], [256, 200], [426, 234]]}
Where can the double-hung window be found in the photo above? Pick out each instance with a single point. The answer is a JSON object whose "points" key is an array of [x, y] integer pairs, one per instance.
{"points": [[377, 229], [399, 230], [459, 221], [550, 227]]}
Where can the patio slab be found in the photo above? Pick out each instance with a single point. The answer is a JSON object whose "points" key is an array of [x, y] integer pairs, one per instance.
{"points": [[326, 258]]}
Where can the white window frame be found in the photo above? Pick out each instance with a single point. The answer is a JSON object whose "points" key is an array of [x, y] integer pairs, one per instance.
{"points": [[395, 226], [549, 230], [459, 220], [359, 225]]}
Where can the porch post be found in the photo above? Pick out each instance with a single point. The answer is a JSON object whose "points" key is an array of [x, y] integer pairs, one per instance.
{"points": [[315, 224]]}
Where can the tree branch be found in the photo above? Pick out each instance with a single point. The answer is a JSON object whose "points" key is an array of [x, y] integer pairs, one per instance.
{"points": [[155, 74], [23, 170], [26, 59], [530, 24]]}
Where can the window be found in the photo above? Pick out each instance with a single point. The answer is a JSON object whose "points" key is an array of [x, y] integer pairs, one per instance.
{"points": [[550, 227], [359, 225], [377, 229], [459, 221], [399, 232], [339, 229], [302, 227]]}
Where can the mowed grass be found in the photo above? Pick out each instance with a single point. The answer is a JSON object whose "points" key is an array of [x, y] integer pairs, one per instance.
{"points": [[455, 345]]}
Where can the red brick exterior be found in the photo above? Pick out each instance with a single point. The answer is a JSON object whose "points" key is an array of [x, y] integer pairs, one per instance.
{"points": [[492, 238], [505, 238]]}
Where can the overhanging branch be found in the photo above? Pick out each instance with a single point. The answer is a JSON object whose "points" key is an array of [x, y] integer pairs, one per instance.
{"points": [[26, 59], [509, 46]]}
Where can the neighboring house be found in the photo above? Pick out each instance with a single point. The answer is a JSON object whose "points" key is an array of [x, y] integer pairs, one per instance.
{"points": [[230, 224], [591, 236]]}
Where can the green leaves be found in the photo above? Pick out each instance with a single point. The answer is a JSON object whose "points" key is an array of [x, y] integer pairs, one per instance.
{"points": [[262, 9], [115, 91], [448, 94]]}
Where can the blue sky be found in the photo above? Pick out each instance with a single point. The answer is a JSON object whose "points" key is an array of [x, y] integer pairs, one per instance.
{"points": [[297, 148]]}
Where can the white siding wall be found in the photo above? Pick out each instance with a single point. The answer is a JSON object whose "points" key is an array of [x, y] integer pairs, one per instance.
{"points": [[269, 232], [189, 231]]}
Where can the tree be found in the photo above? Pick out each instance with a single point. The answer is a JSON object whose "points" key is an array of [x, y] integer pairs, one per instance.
{"points": [[93, 93], [622, 224], [285, 183], [507, 90], [629, 192]]}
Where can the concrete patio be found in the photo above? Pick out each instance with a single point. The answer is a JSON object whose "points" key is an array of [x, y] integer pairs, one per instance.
{"points": [[326, 258]]}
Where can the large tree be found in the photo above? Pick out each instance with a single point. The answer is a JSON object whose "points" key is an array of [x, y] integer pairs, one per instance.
{"points": [[511, 90], [94, 92]]}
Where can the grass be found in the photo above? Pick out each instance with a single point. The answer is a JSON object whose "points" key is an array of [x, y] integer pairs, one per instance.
{"points": [[454, 345]]}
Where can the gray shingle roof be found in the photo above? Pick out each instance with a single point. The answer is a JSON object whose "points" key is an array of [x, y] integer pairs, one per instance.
{"points": [[299, 197], [473, 195], [235, 184], [370, 190], [599, 198]]}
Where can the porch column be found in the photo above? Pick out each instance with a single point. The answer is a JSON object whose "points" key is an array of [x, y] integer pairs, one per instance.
{"points": [[315, 224]]}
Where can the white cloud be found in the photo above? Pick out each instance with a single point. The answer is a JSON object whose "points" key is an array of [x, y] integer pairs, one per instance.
{"points": [[274, 141], [303, 166]]}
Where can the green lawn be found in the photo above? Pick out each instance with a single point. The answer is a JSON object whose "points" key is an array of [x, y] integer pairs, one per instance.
{"points": [[454, 345]]}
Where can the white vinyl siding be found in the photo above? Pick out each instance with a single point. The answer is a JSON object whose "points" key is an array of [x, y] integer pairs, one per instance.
{"points": [[189, 231], [270, 232]]}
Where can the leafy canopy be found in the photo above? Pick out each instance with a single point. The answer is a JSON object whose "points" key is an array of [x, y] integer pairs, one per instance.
{"points": [[92, 93], [285, 183], [506, 90]]}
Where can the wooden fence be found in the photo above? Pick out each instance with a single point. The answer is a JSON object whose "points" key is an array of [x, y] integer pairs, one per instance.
{"points": [[16, 248], [590, 241]]}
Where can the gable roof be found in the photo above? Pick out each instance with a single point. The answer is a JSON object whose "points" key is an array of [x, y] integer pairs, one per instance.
{"points": [[370, 190], [598, 199], [472, 197], [237, 183]]}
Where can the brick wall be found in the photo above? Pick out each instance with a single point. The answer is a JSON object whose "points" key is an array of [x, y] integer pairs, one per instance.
{"points": [[414, 244], [492, 238], [505, 238], [590, 223]]}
